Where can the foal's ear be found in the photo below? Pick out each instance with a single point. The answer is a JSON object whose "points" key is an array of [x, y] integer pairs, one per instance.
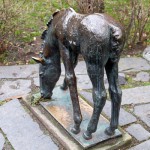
{"points": [[38, 60]]}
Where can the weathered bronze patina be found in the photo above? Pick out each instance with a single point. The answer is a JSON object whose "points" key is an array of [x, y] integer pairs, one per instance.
{"points": [[100, 40]]}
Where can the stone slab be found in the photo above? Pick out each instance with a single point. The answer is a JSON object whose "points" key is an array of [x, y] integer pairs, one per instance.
{"points": [[83, 82], [59, 82], [80, 69], [133, 64], [14, 88], [143, 112], [2, 141], [125, 117], [60, 108], [136, 95], [36, 82], [146, 53], [138, 132], [65, 139], [142, 76], [143, 146], [20, 71], [21, 130]]}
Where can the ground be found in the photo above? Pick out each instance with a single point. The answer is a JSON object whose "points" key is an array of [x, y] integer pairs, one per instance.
{"points": [[23, 53], [19, 127]]}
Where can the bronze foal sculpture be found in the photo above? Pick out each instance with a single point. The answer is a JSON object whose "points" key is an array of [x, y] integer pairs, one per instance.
{"points": [[100, 40]]}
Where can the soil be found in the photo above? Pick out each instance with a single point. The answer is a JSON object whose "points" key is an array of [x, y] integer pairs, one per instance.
{"points": [[22, 53]]}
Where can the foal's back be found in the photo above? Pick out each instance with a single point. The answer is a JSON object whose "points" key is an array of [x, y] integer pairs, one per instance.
{"points": [[94, 35]]}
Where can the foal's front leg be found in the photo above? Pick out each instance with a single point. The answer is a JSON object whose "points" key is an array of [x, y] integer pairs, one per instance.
{"points": [[71, 82], [74, 58]]}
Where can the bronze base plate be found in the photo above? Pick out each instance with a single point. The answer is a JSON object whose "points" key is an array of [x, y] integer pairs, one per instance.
{"points": [[60, 108]]}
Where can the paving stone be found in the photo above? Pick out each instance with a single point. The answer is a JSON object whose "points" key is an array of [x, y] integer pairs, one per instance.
{"points": [[2, 141], [122, 80], [36, 82], [22, 132], [83, 82], [14, 88], [138, 132], [20, 71], [80, 69], [142, 76], [136, 95], [143, 146], [146, 53], [59, 82], [125, 65], [125, 117], [143, 112], [133, 64]]}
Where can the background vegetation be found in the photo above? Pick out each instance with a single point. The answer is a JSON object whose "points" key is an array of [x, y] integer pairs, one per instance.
{"points": [[22, 22]]}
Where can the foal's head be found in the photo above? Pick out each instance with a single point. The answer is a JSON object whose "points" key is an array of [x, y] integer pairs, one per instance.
{"points": [[49, 60]]}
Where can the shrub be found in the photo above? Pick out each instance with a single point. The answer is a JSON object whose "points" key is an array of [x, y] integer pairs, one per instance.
{"points": [[90, 6], [135, 16]]}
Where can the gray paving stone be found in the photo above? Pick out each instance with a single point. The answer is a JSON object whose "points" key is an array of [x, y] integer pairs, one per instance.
{"points": [[133, 64], [125, 117], [143, 112], [136, 95], [138, 132], [59, 82], [80, 69], [22, 71], [22, 132], [125, 65], [2, 141], [146, 53], [83, 82], [36, 82], [122, 80], [142, 76], [14, 88], [143, 146]]}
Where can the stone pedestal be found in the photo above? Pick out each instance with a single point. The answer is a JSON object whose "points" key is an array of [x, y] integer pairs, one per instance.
{"points": [[60, 108], [56, 115]]}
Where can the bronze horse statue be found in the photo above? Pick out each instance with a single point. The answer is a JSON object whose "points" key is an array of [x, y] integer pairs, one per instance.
{"points": [[100, 40]]}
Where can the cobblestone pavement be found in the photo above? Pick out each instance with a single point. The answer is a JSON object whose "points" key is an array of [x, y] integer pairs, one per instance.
{"points": [[20, 131]]}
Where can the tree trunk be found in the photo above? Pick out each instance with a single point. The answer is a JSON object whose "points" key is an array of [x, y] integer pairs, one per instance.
{"points": [[90, 6]]}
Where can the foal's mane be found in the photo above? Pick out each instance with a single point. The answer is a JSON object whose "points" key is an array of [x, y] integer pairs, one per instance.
{"points": [[44, 34]]}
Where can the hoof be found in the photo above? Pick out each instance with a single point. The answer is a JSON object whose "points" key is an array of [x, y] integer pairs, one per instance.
{"points": [[109, 131], [62, 87], [87, 135], [75, 130]]}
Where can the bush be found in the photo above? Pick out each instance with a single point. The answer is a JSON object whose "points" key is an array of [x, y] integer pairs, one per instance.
{"points": [[135, 16], [90, 6]]}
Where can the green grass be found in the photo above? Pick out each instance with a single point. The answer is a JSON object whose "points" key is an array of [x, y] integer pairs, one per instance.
{"points": [[131, 83], [35, 16], [3, 57], [32, 15]]}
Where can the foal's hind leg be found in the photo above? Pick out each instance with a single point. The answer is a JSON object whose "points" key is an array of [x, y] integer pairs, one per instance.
{"points": [[96, 74], [115, 95]]}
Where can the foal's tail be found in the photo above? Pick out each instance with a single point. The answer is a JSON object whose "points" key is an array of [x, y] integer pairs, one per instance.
{"points": [[117, 42]]}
